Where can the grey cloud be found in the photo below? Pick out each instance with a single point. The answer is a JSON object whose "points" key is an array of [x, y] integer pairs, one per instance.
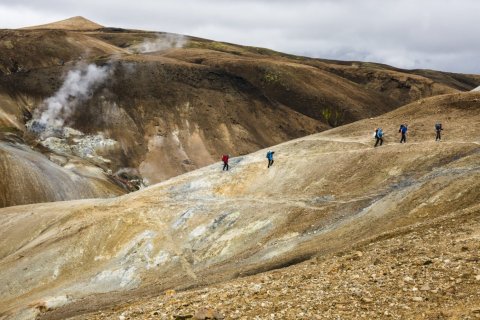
{"points": [[439, 34]]}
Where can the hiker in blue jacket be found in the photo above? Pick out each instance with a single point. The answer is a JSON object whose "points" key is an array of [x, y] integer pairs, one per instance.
{"points": [[378, 136], [403, 130], [270, 158]]}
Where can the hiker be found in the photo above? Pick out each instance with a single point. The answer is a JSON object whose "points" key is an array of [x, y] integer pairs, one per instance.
{"points": [[270, 158], [378, 136], [438, 128], [403, 130], [225, 158]]}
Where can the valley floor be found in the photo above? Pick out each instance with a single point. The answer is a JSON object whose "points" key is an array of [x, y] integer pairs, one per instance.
{"points": [[425, 271]]}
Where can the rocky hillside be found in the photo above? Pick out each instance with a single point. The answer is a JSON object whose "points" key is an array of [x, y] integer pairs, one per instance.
{"points": [[327, 195], [166, 104], [428, 271]]}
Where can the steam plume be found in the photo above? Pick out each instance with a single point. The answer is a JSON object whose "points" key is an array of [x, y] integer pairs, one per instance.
{"points": [[162, 42], [77, 87]]}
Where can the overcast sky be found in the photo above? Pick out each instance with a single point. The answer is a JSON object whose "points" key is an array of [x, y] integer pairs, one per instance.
{"points": [[433, 34]]}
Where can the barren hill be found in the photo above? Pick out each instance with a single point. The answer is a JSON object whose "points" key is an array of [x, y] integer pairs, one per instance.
{"points": [[74, 23], [156, 105], [148, 106], [325, 194], [29, 176]]}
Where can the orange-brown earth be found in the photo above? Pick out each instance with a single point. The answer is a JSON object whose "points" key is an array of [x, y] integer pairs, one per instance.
{"points": [[176, 103], [411, 210]]}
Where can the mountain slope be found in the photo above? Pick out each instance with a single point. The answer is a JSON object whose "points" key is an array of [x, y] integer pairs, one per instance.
{"points": [[74, 23], [175, 103], [324, 194], [405, 273], [30, 177]]}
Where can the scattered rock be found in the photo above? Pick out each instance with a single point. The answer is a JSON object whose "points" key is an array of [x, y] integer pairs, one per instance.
{"points": [[417, 299], [170, 293], [256, 288], [204, 314], [357, 255], [425, 287], [366, 300]]}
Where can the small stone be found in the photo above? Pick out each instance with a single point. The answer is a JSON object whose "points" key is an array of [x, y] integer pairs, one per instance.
{"points": [[477, 277], [425, 287], [408, 279], [204, 314], [366, 300], [170, 293], [359, 253], [256, 288], [417, 299]]}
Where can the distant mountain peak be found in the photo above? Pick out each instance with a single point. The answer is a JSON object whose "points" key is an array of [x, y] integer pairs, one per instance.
{"points": [[74, 23]]}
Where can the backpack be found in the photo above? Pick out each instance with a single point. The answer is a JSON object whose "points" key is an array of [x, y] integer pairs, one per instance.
{"points": [[225, 158], [404, 129], [438, 126], [379, 133]]}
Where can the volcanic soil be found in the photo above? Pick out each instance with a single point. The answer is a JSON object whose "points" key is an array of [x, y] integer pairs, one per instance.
{"points": [[386, 231], [176, 103]]}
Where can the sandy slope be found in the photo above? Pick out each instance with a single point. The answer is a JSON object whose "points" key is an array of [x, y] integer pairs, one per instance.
{"points": [[28, 176], [325, 193], [74, 23], [425, 271], [173, 110]]}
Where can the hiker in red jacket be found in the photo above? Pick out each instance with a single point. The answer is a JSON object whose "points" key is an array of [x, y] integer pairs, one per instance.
{"points": [[225, 162]]}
